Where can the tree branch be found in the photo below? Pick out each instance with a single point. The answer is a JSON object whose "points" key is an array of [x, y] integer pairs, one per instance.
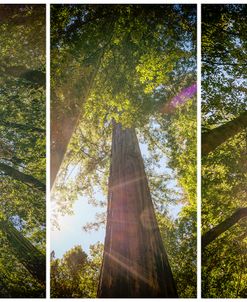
{"points": [[215, 232], [24, 178], [215, 137], [223, 63], [35, 77]]}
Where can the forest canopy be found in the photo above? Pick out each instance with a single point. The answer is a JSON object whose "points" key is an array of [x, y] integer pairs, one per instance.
{"points": [[22, 151]]}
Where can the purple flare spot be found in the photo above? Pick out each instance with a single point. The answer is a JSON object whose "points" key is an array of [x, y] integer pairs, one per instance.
{"points": [[181, 98]]}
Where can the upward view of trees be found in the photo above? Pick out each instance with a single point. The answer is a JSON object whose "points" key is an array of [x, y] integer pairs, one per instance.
{"points": [[224, 149], [22, 151], [119, 74]]}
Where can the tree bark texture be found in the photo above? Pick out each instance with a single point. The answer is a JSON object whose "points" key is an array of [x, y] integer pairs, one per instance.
{"points": [[215, 232], [24, 178], [32, 259], [215, 137], [135, 264]]}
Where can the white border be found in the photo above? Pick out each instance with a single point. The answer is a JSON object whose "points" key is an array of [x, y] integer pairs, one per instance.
{"points": [[198, 151], [48, 193], [48, 2]]}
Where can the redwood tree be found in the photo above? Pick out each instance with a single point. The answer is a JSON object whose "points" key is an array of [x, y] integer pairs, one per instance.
{"points": [[135, 264], [69, 94]]}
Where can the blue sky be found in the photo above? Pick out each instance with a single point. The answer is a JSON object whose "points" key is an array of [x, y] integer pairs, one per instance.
{"points": [[71, 231]]}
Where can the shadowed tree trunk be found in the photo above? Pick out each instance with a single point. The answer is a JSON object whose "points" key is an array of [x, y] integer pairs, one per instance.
{"points": [[35, 77], [25, 178], [65, 120], [135, 264], [33, 260], [215, 232], [62, 127], [215, 137], [64, 123]]}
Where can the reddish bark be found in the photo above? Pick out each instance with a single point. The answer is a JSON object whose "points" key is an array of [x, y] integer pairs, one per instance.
{"points": [[135, 264]]}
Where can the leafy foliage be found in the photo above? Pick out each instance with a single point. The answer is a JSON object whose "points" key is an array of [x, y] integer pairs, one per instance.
{"points": [[177, 132], [224, 170], [22, 142], [76, 274], [223, 69]]}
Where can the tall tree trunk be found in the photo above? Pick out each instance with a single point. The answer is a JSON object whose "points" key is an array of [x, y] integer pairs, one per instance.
{"points": [[25, 178], [135, 263], [62, 127], [215, 232], [215, 137], [63, 124], [33, 260]]}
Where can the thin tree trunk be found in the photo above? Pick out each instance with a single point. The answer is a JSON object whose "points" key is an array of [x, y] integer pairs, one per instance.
{"points": [[215, 137], [215, 232], [35, 77], [24, 178], [135, 263], [33, 260]]}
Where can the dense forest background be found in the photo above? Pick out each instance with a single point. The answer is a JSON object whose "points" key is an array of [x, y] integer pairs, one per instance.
{"points": [[136, 65], [22, 151], [224, 149]]}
